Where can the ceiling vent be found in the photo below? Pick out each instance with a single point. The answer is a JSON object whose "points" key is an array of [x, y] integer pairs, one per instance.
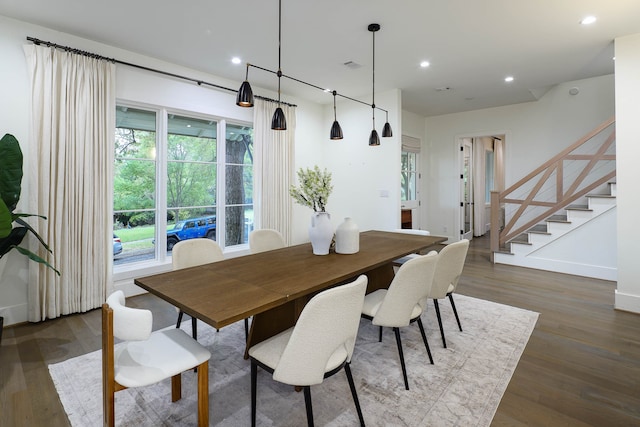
{"points": [[352, 65]]}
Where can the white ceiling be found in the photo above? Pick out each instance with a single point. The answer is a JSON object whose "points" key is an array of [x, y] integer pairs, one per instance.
{"points": [[472, 45]]}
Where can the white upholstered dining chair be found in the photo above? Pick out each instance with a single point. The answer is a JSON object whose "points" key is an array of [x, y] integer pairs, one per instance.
{"points": [[402, 260], [319, 345], [145, 357], [190, 253], [400, 305], [445, 280], [265, 239]]}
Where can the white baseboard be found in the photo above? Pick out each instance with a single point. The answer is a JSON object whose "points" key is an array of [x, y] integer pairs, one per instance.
{"points": [[627, 302], [14, 314]]}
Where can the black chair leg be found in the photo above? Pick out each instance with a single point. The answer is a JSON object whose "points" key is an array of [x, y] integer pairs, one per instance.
{"points": [[307, 404], [194, 328], [404, 368], [246, 329], [180, 313], [354, 393], [424, 339], [453, 305], [380, 335], [435, 303], [254, 377]]}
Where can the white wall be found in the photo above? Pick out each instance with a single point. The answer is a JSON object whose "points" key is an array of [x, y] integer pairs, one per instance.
{"points": [[535, 132], [366, 179], [13, 119], [628, 152]]}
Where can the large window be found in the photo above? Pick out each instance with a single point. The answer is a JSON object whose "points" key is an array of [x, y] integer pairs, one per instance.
{"points": [[173, 181]]}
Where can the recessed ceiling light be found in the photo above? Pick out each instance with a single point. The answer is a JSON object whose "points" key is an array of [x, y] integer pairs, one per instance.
{"points": [[588, 20], [236, 60], [424, 64], [508, 79]]}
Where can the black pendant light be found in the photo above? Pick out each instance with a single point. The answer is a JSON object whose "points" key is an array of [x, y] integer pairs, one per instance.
{"points": [[245, 94], [336, 130], [373, 138], [386, 129], [278, 122]]}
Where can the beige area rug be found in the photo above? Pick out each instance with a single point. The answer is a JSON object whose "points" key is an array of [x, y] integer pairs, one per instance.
{"points": [[463, 388]]}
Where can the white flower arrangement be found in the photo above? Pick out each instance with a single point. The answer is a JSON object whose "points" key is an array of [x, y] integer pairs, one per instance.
{"points": [[315, 188]]}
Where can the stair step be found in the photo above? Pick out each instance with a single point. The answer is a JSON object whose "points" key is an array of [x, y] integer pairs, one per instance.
{"points": [[539, 228], [601, 196], [578, 208], [503, 251], [521, 238], [557, 218]]}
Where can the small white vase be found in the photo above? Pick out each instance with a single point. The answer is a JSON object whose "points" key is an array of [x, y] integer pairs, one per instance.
{"points": [[321, 233], [347, 237]]}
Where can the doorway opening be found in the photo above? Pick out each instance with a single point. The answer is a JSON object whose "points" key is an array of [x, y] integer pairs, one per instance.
{"points": [[481, 171], [410, 183]]}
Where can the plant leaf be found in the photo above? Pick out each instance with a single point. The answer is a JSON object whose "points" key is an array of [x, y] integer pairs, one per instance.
{"points": [[12, 240], [5, 220], [10, 171], [28, 227], [35, 258]]}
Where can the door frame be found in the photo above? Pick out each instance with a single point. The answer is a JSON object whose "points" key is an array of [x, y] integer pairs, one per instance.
{"points": [[505, 135], [466, 146]]}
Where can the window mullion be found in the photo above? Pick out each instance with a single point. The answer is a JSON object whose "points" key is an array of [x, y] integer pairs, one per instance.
{"points": [[161, 190], [221, 182]]}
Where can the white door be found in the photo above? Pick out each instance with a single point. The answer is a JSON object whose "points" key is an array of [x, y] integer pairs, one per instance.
{"points": [[466, 189]]}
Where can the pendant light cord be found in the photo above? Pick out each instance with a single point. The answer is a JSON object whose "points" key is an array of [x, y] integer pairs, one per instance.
{"points": [[373, 77], [279, 46]]}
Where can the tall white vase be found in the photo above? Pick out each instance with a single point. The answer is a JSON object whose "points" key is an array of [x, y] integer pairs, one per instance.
{"points": [[321, 233], [347, 237]]}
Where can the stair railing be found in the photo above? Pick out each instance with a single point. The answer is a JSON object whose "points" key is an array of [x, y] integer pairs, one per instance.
{"points": [[555, 196]]}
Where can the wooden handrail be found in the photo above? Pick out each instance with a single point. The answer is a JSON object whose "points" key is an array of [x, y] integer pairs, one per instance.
{"points": [[499, 236]]}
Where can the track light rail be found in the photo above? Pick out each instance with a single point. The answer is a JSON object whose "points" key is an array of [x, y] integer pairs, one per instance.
{"points": [[329, 91]]}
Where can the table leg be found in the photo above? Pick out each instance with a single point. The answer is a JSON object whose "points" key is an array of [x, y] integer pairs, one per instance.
{"points": [[380, 278], [272, 322]]}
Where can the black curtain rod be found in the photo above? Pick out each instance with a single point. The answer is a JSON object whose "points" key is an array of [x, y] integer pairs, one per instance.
{"points": [[142, 67]]}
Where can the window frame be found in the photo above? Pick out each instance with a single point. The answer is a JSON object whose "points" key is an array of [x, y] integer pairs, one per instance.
{"points": [[162, 261]]}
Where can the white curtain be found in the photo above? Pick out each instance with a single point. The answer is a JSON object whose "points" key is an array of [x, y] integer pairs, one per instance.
{"points": [[70, 176], [479, 208], [498, 163], [273, 167]]}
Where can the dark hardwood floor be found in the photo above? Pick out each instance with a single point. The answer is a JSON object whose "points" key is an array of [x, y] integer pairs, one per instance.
{"points": [[581, 366]]}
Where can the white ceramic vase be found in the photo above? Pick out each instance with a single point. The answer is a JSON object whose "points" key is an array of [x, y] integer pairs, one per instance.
{"points": [[321, 232], [347, 237]]}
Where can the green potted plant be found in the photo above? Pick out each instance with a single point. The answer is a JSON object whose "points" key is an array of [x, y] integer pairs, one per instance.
{"points": [[11, 235], [313, 192]]}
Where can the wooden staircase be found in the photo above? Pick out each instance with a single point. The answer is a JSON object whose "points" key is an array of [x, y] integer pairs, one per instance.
{"points": [[561, 217], [551, 245]]}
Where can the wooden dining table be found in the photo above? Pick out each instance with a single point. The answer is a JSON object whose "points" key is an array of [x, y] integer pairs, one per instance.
{"points": [[274, 286]]}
